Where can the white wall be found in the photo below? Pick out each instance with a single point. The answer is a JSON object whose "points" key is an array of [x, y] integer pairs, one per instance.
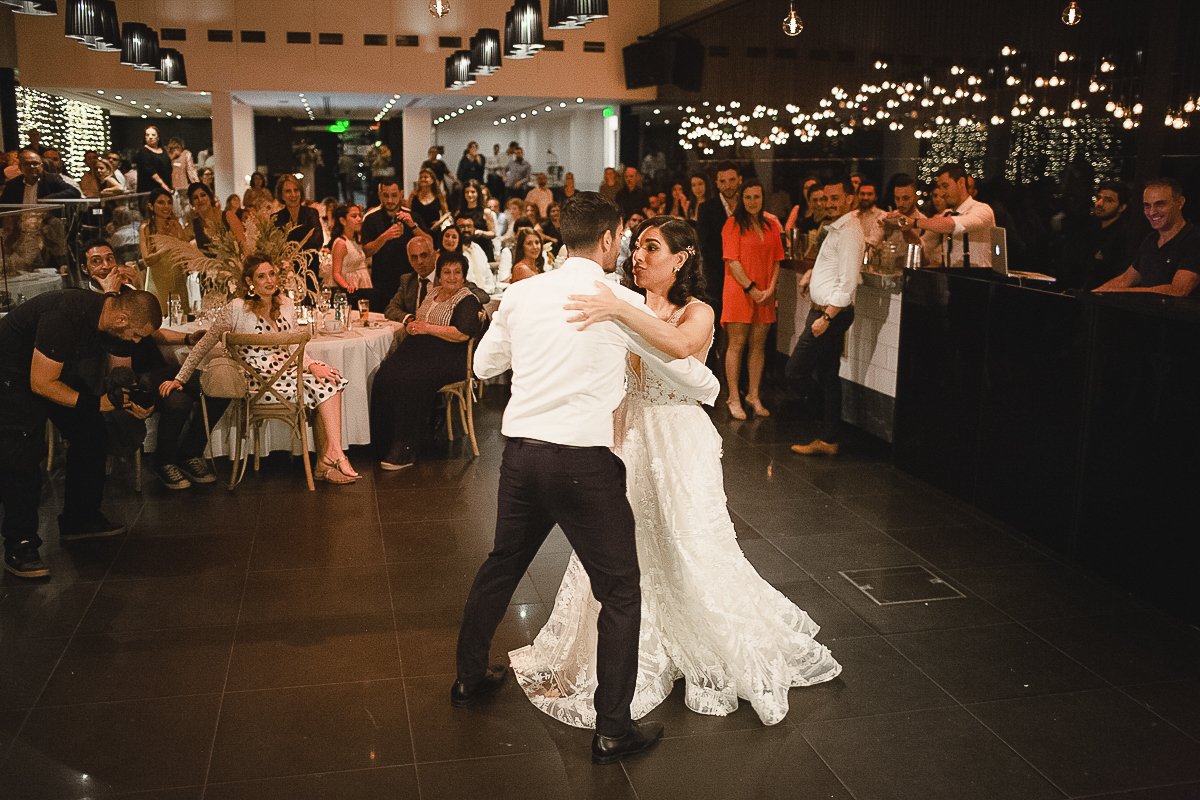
{"points": [[576, 137]]}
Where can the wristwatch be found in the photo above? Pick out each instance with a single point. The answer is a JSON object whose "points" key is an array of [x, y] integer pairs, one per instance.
{"points": [[825, 316], [749, 286]]}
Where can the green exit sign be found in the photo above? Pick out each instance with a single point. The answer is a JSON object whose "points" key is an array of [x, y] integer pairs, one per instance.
{"points": [[341, 126], [609, 111]]}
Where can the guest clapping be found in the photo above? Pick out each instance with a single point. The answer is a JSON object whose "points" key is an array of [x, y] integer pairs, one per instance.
{"points": [[262, 309], [432, 355]]}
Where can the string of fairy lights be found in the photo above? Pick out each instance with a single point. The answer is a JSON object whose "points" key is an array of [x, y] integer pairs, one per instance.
{"points": [[1061, 94], [70, 126]]}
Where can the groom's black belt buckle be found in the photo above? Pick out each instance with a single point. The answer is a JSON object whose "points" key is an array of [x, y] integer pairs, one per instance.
{"points": [[521, 440]]}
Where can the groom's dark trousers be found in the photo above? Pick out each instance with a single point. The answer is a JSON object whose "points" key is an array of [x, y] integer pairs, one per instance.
{"points": [[582, 489]]}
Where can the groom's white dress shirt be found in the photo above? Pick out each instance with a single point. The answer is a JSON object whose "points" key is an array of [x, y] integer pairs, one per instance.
{"points": [[566, 382]]}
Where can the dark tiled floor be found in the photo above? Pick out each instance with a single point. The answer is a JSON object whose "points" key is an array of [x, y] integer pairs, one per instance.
{"points": [[271, 644]]}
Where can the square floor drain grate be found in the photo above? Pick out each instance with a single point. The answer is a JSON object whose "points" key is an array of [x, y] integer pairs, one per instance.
{"points": [[889, 586]]}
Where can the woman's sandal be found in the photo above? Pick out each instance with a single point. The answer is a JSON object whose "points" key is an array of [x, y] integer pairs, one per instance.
{"points": [[333, 472], [735, 409], [759, 409]]}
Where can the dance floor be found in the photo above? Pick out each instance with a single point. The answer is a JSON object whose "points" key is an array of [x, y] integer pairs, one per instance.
{"points": [[273, 643]]}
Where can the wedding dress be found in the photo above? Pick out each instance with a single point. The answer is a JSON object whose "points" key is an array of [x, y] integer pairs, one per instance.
{"points": [[707, 616]]}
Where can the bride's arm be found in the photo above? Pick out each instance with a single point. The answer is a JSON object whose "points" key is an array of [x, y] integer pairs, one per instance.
{"points": [[691, 336]]}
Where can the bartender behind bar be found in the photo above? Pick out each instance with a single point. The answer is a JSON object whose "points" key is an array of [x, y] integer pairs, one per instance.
{"points": [[965, 226], [1168, 261]]}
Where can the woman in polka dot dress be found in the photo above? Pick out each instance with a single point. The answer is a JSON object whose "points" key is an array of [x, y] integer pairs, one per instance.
{"points": [[262, 309]]}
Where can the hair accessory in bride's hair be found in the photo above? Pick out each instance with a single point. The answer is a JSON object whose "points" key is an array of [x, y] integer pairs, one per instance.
{"points": [[690, 250]]}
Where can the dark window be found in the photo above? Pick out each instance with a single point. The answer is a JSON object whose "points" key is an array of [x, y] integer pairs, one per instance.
{"points": [[375, 39], [820, 55], [718, 51], [254, 37], [554, 45], [450, 41], [406, 40], [756, 52], [786, 53], [173, 35], [329, 38], [845, 56], [220, 36], [299, 37], [593, 47]]}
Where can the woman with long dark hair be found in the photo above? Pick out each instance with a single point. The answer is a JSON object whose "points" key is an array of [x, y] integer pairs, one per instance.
{"points": [[205, 219], [473, 205], [529, 255], [428, 203], [257, 192], [752, 248], [163, 277], [707, 616], [350, 270], [470, 166]]}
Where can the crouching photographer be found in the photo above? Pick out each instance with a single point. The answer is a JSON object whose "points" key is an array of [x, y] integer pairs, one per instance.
{"points": [[38, 339]]}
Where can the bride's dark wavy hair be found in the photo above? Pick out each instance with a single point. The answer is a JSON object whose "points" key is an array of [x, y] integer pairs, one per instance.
{"points": [[679, 236]]}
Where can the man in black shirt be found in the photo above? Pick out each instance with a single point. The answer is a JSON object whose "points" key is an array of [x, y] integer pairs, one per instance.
{"points": [[37, 340], [1109, 243], [633, 195], [1168, 261], [709, 223], [36, 183], [386, 231]]}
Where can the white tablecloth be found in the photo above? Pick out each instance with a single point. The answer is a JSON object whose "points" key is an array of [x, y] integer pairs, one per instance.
{"points": [[31, 284], [356, 354]]}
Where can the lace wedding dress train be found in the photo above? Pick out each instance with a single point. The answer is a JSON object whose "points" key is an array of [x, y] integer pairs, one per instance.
{"points": [[707, 615]]}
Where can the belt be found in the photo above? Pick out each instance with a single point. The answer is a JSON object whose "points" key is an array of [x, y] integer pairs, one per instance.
{"points": [[522, 441]]}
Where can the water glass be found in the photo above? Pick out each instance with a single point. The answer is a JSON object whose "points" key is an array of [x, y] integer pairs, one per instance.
{"points": [[364, 310], [175, 310]]}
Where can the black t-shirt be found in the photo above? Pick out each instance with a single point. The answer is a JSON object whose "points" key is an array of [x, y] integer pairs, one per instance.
{"points": [[631, 201], [62, 325], [1158, 265], [390, 262]]}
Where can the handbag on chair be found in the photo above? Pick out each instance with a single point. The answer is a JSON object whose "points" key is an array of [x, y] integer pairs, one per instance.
{"points": [[223, 377]]}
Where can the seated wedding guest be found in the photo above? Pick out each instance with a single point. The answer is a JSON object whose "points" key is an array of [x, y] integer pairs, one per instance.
{"points": [[257, 192], [508, 255], [118, 168], [428, 203], [514, 211], [432, 355], [965, 227], [98, 181], [12, 165], [565, 192], [681, 203], [38, 340], [208, 178], [52, 159], [491, 215], [163, 277], [416, 285], [307, 220], [479, 271], [262, 309], [124, 235], [610, 185], [534, 214], [530, 254], [540, 195], [1168, 260], [471, 233], [549, 228], [181, 435], [35, 183], [632, 196], [206, 219], [233, 205], [350, 269]]}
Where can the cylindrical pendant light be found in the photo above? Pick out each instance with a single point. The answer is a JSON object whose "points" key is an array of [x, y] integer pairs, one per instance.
{"points": [[511, 50], [527, 25], [587, 10], [561, 15], [150, 52], [485, 51], [84, 20], [458, 70], [34, 8], [171, 69], [110, 40], [138, 49]]}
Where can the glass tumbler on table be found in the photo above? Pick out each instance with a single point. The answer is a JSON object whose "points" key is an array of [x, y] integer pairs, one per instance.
{"points": [[174, 310], [364, 311]]}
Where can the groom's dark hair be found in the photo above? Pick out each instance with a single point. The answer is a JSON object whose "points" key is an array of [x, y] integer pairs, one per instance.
{"points": [[585, 218]]}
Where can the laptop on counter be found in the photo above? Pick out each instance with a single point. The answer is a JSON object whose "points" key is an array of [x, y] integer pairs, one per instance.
{"points": [[1000, 260]]}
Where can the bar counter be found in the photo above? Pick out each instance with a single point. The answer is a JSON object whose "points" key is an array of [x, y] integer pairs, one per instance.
{"points": [[1074, 418]]}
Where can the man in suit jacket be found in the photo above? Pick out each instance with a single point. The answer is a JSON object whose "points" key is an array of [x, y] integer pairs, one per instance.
{"points": [[414, 286], [709, 221], [35, 183]]}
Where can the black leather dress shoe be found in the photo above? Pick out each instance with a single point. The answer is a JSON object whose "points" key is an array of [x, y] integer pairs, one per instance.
{"points": [[462, 697], [639, 738]]}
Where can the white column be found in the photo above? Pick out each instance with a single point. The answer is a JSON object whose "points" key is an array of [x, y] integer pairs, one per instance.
{"points": [[233, 143], [417, 130]]}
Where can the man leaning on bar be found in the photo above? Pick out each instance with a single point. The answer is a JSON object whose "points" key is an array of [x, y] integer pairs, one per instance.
{"points": [[1168, 261]]}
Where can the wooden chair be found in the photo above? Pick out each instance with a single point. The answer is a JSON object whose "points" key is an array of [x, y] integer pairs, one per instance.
{"points": [[251, 413], [462, 394]]}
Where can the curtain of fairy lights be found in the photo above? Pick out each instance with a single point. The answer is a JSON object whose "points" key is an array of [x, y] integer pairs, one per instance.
{"points": [[70, 126]]}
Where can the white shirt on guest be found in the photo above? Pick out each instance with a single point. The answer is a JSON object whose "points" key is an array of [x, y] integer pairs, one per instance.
{"points": [[976, 219], [872, 224], [839, 262], [566, 382], [479, 272]]}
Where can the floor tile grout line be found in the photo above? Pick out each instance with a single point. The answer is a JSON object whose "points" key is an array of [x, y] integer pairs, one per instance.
{"points": [[212, 746], [828, 766], [1125, 792]]}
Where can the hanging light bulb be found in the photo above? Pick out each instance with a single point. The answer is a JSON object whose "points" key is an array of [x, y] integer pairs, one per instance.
{"points": [[439, 8], [1190, 105], [792, 24], [1071, 14]]}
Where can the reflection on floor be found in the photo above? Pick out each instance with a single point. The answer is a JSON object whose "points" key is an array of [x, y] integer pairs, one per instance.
{"points": [[272, 643]]}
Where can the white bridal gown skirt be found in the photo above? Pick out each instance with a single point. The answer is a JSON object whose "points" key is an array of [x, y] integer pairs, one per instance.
{"points": [[707, 616]]}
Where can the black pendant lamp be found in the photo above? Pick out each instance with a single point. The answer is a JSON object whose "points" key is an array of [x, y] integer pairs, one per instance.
{"points": [[587, 10], [34, 8], [510, 45], [85, 20], [458, 70], [139, 47], [527, 25], [485, 52], [561, 16], [171, 69], [110, 40]]}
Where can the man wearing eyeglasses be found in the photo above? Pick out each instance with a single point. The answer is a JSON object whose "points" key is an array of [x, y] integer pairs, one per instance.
{"points": [[36, 183]]}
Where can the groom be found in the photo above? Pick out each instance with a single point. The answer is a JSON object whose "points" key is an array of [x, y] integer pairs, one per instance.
{"points": [[558, 467]]}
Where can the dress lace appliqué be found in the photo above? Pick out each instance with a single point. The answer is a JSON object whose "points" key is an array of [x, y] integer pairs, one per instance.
{"points": [[707, 615]]}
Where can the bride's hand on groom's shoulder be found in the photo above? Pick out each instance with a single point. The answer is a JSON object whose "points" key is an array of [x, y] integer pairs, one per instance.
{"points": [[602, 306]]}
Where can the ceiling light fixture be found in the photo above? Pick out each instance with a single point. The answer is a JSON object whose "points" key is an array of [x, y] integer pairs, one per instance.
{"points": [[1072, 15], [439, 8], [34, 8], [792, 24]]}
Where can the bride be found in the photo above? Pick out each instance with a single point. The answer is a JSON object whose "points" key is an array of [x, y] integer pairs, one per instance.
{"points": [[707, 616]]}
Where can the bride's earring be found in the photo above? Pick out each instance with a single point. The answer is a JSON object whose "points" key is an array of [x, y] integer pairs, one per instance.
{"points": [[250, 290]]}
